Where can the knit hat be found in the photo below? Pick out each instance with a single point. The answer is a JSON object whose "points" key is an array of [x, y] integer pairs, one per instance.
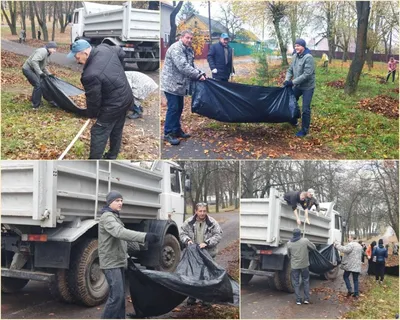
{"points": [[297, 232], [112, 196], [51, 44], [380, 241], [301, 42]]}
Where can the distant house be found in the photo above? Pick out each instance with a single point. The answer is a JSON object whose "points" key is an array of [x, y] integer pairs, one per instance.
{"points": [[201, 23], [166, 11]]}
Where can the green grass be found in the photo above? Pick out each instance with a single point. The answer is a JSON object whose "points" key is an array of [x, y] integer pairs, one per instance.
{"points": [[377, 301], [350, 132], [28, 134]]}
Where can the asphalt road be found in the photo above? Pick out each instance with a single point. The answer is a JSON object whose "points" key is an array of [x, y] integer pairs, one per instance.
{"points": [[257, 298], [35, 301]]}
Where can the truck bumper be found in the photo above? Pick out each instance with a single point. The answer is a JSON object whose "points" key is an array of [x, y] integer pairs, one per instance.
{"points": [[257, 272], [31, 275]]}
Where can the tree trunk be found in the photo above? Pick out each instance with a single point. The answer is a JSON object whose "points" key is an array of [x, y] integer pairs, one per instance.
{"points": [[53, 30], [22, 7], [282, 45], [12, 19], [353, 76], [172, 33], [32, 18], [369, 58], [41, 18]]}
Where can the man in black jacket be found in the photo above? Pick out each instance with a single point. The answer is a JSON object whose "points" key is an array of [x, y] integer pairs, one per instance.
{"points": [[220, 59], [108, 94], [297, 197]]}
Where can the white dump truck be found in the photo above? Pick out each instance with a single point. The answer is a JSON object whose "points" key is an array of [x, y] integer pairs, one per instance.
{"points": [[136, 31], [50, 213], [266, 225]]}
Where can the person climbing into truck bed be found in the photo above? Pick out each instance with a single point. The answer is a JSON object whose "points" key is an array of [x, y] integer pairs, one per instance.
{"points": [[113, 253], [312, 201], [299, 261], [202, 230]]}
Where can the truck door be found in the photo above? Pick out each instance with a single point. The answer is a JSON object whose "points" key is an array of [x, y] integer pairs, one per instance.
{"points": [[77, 25], [176, 196], [337, 232]]}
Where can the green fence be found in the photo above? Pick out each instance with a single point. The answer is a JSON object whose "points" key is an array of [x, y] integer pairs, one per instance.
{"points": [[242, 49]]}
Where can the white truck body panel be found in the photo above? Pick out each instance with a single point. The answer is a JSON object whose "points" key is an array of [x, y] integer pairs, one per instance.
{"points": [[270, 221], [64, 194], [124, 22]]}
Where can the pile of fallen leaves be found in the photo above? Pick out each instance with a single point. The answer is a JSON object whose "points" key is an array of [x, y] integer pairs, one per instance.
{"points": [[383, 105], [338, 84], [10, 60], [79, 100], [392, 261]]}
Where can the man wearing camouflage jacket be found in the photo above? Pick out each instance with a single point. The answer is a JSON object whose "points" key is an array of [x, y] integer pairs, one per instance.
{"points": [[203, 230], [176, 75]]}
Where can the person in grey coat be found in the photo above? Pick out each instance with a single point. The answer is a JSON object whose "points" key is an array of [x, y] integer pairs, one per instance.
{"points": [[299, 261], [113, 255], [351, 264], [202, 230], [35, 68], [301, 76], [178, 71]]}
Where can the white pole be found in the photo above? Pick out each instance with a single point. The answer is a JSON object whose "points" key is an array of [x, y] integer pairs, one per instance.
{"points": [[74, 140]]}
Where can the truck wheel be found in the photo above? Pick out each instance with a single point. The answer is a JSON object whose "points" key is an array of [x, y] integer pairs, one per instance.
{"points": [[285, 277], [245, 278], [59, 287], [147, 66], [86, 280], [11, 285], [278, 281], [170, 254], [331, 275], [271, 283]]}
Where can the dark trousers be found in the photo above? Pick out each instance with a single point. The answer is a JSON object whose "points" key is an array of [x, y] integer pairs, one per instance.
{"points": [[100, 132], [34, 80], [346, 278], [306, 108], [393, 76], [371, 267], [174, 112], [220, 79], [115, 305], [305, 275], [380, 271]]}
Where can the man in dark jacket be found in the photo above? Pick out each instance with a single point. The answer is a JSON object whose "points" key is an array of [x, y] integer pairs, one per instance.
{"points": [[113, 253], [35, 69], [220, 59], [297, 197], [299, 261], [108, 94], [302, 71], [381, 254]]}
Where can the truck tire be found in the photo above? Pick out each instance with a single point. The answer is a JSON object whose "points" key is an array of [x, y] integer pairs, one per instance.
{"points": [[331, 275], [245, 278], [170, 254], [11, 285], [277, 280], [271, 283], [147, 66], [86, 280], [285, 278], [133, 248], [59, 288]]}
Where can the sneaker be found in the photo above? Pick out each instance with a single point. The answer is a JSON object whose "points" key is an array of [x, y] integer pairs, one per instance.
{"points": [[35, 108], [191, 301], [381, 282], [182, 134], [298, 302], [171, 139], [349, 294], [306, 302], [301, 134], [134, 116]]}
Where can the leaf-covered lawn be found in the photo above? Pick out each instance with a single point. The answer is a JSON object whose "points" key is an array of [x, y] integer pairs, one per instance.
{"points": [[377, 301], [362, 126]]}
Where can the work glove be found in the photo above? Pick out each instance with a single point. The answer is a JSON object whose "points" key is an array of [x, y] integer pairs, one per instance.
{"points": [[43, 75], [288, 83], [151, 238], [214, 70]]}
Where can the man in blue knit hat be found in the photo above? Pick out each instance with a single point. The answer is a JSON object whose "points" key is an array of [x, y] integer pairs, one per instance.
{"points": [[301, 76]]}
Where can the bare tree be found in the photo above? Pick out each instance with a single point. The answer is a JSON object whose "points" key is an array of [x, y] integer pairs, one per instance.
{"points": [[172, 22], [53, 29], [277, 10], [230, 20], [32, 18], [12, 19], [40, 11], [357, 64], [22, 9]]}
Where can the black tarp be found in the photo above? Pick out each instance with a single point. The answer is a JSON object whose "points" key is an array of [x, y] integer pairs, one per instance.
{"points": [[235, 102], [324, 260], [155, 293], [59, 91]]}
